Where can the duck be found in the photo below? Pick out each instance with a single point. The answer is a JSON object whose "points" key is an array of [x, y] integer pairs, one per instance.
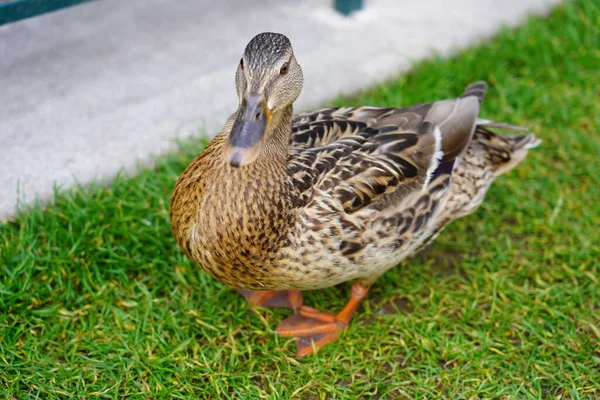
{"points": [[278, 203]]}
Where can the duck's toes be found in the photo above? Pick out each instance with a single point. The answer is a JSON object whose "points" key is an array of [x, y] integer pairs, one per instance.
{"points": [[274, 298], [311, 328]]}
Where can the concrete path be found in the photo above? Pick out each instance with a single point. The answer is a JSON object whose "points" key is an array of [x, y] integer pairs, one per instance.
{"points": [[91, 89]]}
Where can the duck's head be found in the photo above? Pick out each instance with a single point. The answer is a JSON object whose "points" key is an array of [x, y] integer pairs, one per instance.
{"points": [[268, 80]]}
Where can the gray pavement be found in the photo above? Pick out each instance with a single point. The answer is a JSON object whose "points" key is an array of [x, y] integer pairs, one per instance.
{"points": [[92, 89]]}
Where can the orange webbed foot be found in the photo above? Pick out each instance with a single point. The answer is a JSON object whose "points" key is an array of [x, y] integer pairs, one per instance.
{"points": [[314, 329]]}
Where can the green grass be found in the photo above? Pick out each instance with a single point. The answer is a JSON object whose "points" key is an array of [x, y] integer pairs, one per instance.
{"points": [[97, 301]]}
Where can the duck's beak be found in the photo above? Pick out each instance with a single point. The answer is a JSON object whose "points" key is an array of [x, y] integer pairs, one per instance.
{"points": [[248, 130]]}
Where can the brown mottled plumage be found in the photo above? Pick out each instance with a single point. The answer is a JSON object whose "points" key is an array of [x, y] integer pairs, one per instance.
{"points": [[277, 202]]}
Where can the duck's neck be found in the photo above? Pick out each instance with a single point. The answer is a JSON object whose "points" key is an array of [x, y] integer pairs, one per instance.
{"points": [[249, 210], [267, 176]]}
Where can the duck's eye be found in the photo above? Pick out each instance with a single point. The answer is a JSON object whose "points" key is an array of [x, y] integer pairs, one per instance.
{"points": [[241, 63], [284, 69]]}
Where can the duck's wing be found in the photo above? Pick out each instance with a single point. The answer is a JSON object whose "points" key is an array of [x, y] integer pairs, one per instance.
{"points": [[322, 127], [358, 155]]}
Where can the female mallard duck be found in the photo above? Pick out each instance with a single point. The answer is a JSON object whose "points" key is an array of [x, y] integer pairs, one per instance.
{"points": [[276, 204]]}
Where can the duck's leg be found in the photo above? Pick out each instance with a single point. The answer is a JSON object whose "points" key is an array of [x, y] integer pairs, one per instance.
{"points": [[274, 298], [314, 329]]}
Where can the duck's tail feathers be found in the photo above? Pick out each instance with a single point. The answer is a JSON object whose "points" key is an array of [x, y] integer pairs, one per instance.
{"points": [[503, 152]]}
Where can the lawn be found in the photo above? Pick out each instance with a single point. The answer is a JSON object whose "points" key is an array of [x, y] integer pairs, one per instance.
{"points": [[96, 300]]}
